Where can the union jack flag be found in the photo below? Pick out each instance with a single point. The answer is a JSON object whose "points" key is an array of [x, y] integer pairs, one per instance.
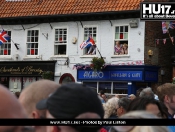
{"points": [[88, 43], [172, 25], [4, 37]]}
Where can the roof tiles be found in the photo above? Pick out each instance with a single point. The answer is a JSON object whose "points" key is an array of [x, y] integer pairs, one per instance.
{"points": [[56, 7]]}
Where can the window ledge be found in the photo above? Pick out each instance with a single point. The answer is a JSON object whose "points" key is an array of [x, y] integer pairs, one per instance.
{"points": [[31, 57], [88, 56], [59, 56], [120, 56], [4, 57]]}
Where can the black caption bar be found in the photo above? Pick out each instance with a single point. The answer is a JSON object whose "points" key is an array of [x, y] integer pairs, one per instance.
{"points": [[117, 122], [157, 11]]}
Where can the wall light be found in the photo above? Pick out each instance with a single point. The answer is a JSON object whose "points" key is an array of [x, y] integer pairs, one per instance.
{"points": [[150, 52], [133, 23]]}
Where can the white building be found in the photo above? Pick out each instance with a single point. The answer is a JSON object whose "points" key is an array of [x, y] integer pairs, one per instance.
{"points": [[60, 41]]}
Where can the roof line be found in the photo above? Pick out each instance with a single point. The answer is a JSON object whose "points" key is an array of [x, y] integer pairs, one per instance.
{"points": [[69, 15]]}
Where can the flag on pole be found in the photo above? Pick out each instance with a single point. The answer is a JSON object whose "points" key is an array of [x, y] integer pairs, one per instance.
{"points": [[88, 43], [164, 27], [4, 37], [172, 24]]}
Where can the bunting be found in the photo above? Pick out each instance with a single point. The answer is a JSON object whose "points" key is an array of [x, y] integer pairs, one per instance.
{"points": [[164, 40], [138, 62]]}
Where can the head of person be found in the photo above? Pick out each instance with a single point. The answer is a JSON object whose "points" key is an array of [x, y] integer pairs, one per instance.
{"points": [[139, 115], [132, 96], [166, 94], [125, 46], [117, 43], [72, 101], [110, 107], [10, 108], [147, 93], [32, 94], [122, 107], [101, 93], [35, 92], [147, 104], [138, 92]]}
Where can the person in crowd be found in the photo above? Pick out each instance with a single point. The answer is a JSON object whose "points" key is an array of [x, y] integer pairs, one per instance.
{"points": [[102, 97], [132, 96], [147, 93], [122, 106], [10, 109], [72, 101], [125, 49], [118, 48], [166, 94], [139, 115], [110, 108], [148, 104], [138, 92], [32, 94]]}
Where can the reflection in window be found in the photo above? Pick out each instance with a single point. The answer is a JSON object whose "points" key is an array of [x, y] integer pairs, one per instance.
{"points": [[105, 86], [120, 88]]}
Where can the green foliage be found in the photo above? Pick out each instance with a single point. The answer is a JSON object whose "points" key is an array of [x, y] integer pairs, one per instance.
{"points": [[97, 63], [48, 75]]}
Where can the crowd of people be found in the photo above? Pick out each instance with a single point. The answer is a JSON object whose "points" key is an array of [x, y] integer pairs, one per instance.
{"points": [[46, 99]]}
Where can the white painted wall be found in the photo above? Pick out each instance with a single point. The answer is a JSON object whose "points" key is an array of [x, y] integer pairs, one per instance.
{"points": [[105, 43]]}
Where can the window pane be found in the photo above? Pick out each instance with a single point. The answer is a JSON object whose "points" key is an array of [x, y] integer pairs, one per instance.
{"points": [[36, 39], [120, 88], [105, 86], [126, 28], [91, 84], [36, 32], [28, 51], [125, 35], [28, 39], [36, 51], [36, 45], [61, 50], [32, 45], [121, 29], [117, 36], [9, 52], [117, 29], [29, 33]]}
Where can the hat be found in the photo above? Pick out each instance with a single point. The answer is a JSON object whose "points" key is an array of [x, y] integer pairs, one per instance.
{"points": [[71, 100]]}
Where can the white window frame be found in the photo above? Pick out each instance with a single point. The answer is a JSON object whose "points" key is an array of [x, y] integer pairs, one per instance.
{"points": [[57, 43], [119, 56], [6, 43], [33, 56], [84, 39]]}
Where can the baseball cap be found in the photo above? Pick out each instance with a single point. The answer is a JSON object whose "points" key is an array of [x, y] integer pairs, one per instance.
{"points": [[71, 100]]}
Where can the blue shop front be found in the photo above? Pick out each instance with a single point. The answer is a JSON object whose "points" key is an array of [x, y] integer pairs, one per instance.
{"points": [[121, 79]]}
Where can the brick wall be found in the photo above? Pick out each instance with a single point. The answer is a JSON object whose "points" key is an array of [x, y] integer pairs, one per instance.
{"points": [[161, 53]]}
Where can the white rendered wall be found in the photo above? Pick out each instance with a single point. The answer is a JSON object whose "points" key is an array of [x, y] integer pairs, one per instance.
{"points": [[105, 43]]}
